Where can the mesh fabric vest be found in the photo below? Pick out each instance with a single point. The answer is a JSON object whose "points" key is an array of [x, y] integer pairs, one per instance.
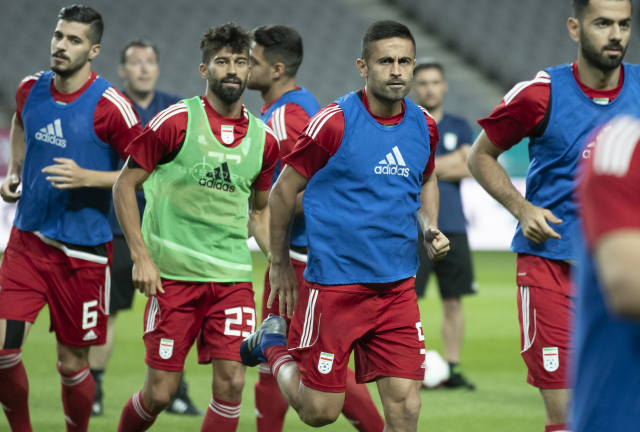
{"points": [[195, 222]]}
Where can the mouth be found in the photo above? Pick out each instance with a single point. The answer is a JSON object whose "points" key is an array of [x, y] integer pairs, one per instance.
{"points": [[231, 83], [613, 51], [59, 57], [396, 85]]}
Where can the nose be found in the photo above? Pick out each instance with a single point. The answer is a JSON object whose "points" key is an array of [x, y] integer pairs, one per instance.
{"points": [[616, 33], [395, 69]]}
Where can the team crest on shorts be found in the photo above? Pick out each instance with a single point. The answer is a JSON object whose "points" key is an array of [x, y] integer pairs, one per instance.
{"points": [[166, 348], [227, 134], [326, 363], [551, 359]]}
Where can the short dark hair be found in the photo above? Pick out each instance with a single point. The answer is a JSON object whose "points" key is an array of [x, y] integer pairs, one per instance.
{"points": [[139, 43], [229, 35], [281, 44], [580, 5], [429, 64], [386, 29], [84, 15]]}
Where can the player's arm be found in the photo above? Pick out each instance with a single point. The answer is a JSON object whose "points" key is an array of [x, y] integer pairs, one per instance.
{"points": [[437, 244], [282, 206], [483, 164], [66, 174], [617, 257], [17, 152], [259, 218], [146, 276], [453, 167]]}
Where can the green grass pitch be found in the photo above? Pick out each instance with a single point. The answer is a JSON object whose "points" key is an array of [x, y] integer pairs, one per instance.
{"points": [[502, 402]]}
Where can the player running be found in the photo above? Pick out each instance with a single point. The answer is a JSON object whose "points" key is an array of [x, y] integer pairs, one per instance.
{"points": [[455, 271], [69, 127], [203, 160], [556, 110], [367, 164], [275, 59], [607, 366], [140, 70]]}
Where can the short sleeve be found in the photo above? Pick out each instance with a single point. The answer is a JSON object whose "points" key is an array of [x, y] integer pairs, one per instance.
{"points": [[434, 138], [269, 161], [22, 93]]}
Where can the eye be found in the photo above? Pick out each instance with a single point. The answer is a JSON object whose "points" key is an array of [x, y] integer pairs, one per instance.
{"points": [[625, 25]]}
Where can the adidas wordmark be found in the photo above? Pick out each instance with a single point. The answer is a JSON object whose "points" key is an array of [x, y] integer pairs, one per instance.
{"points": [[392, 164], [52, 134]]}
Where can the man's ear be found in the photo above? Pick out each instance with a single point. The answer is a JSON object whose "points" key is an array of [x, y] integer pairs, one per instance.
{"points": [[362, 68], [204, 71], [94, 51], [278, 71], [574, 29]]}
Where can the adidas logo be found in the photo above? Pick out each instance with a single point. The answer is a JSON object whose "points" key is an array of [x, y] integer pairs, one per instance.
{"points": [[91, 335], [52, 134], [390, 165]]}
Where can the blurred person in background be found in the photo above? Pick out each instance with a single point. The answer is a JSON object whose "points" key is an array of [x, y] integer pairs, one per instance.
{"points": [[139, 69], [275, 58], [68, 130], [556, 111], [454, 271], [607, 360]]}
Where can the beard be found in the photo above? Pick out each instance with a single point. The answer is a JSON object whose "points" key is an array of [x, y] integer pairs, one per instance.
{"points": [[384, 93], [597, 58], [71, 67], [227, 95]]}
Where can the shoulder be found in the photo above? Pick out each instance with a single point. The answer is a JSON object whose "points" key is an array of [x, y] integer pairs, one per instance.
{"points": [[328, 121], [115, 103], [527, 92], [271, 139], [430, 120], [27, 84], [171, 117], [616, 143]]}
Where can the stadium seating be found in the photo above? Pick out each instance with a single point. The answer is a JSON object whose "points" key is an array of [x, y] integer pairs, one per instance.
{"points": [[509, 40]]}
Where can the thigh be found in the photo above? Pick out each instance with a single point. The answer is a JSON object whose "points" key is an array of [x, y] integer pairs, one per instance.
{"points": [[122, 289], [172, 321], [545, 332], [324, 329], [230, 318], [455, 271], [396, 347], [78, 301], [22, 287]]}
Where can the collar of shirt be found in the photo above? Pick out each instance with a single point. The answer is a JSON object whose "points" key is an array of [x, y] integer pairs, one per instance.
{"points": [[67, 98], [598, 94], [265, 107], [211, 113]]}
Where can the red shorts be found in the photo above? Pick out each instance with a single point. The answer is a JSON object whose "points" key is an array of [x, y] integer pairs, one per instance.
{"points": [[34, 273], [220, 315], [299, 267], [546, 312], [383, 327]]}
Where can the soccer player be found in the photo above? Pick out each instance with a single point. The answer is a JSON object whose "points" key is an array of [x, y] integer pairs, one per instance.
{"points": [[556, 110], [275, 59], [607, 361], [203, 161], [139, 70], [69, 128], [455, 271], [366, 164]]}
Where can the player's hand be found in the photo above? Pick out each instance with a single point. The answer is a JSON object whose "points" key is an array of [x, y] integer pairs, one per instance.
{"points": [[146, 277], [533, 221], [8, 189], [66, 174], [437, 244], [284, 285]]}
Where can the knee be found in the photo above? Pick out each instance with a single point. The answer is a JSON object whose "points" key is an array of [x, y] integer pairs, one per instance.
{"points": [[229, 386], [318, 417], [72, 360], [157, 397], [404, 410], [452, 306]]}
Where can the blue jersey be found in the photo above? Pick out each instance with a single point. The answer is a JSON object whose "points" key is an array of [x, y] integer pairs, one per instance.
{"points": [[305, 100], [607, 358], [554, 156], [361, 208], [76, 216], [454, 132], [160, 102]]}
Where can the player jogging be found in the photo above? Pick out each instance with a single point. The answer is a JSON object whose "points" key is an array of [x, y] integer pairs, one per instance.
{"points": [[201, 161], [366, 162], [556, 110], [607, 361], [69, 127], [140, 70], [275, 59], [455, 271]]}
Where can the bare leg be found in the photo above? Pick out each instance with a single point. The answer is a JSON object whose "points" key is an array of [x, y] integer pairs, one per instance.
{"points": [[314, 407], [158, 388], [556, 405], [228, 379], [452, 329], [99, 355], [401, 402]]}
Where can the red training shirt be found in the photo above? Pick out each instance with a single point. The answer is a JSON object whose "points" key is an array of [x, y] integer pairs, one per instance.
{"points": [[322, 136], [167, 130]]}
